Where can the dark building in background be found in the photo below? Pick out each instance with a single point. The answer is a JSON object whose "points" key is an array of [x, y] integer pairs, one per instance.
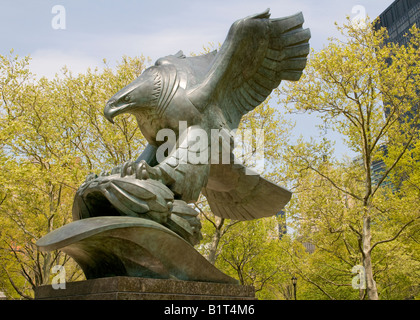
{"points": [[398, 18], [282, 227], [378, 169]]}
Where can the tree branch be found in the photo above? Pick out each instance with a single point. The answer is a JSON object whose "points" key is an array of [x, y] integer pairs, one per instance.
{"points": [[335, 185], [307, 278], [385, 175], [394, 237], [16, 287]]}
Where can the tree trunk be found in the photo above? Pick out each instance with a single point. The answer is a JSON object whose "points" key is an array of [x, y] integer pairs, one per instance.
{"points": [[371, 289], [46, 269], [211, 257], [218, 224]]}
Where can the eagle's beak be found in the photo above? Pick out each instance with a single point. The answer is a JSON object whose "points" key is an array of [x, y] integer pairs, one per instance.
{"points": [[109, 111], [138, 94], [112, 110]]}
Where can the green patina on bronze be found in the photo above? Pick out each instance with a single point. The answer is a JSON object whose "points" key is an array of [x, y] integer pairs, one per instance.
{"points": [[135, 221]]}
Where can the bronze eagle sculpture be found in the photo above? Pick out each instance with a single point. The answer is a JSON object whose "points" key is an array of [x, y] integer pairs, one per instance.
{"points": [[214, 91], [136, 220]]}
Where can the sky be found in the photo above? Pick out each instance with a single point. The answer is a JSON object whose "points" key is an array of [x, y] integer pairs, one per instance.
{"points": [[92, 30]]}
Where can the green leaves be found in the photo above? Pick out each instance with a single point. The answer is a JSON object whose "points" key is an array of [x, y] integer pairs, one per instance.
{"points": [[52, 135], [367, 90]]}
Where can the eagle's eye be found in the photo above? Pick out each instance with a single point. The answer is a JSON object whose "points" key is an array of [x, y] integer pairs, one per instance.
{"points": [[127, 98]]}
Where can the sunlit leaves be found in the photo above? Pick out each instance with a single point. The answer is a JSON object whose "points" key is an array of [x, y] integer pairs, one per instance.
{"points": [[52, 134], [366, 90]]}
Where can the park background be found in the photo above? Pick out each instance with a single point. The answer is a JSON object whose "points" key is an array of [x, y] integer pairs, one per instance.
{"points": [[53, 136]]}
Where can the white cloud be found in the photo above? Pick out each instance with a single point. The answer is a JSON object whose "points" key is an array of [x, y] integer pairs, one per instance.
{"points": [[48, 62], [188, 33]]}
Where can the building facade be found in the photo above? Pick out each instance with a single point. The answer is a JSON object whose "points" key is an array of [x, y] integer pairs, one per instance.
{"points": [[398, 18]]}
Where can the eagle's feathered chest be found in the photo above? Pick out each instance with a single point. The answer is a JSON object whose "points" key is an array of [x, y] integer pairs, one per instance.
{"points": [[149, 123]]}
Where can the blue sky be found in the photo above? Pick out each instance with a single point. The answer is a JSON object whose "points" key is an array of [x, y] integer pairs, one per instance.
{"points": [[98, 29]]}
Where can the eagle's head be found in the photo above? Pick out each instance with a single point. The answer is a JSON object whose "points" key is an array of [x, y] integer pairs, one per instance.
{"points": [[142, 93], [154, 88]]}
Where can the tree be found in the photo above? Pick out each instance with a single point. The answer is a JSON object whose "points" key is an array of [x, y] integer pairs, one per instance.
{"points": [[250, 252], [276, 134], [350, 84], [53, 134]]}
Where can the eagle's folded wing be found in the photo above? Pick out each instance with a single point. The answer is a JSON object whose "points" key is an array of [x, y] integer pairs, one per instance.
{"points": [[257, 54]]}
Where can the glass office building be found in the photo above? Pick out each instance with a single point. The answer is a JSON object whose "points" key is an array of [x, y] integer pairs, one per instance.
{"points": [[398, 18]]}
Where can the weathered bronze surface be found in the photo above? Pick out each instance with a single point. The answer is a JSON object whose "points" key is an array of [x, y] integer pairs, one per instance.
{"points": [[128, 246], [188, 96]]}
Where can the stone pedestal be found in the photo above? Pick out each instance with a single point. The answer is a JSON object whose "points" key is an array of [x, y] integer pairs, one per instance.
{"points": [[132, 288]]}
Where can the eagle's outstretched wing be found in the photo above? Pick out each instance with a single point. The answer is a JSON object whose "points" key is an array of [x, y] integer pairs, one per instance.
{"points": [[257, 54]]}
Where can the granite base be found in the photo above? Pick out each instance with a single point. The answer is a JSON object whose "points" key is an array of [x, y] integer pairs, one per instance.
{"points": [[132, 288]]}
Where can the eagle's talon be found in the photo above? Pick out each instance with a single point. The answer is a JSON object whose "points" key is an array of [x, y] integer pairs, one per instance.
{"points": [[90, 177], [116, 170], [127, 169], [144, 175], [143, 171], [140, 170]]}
